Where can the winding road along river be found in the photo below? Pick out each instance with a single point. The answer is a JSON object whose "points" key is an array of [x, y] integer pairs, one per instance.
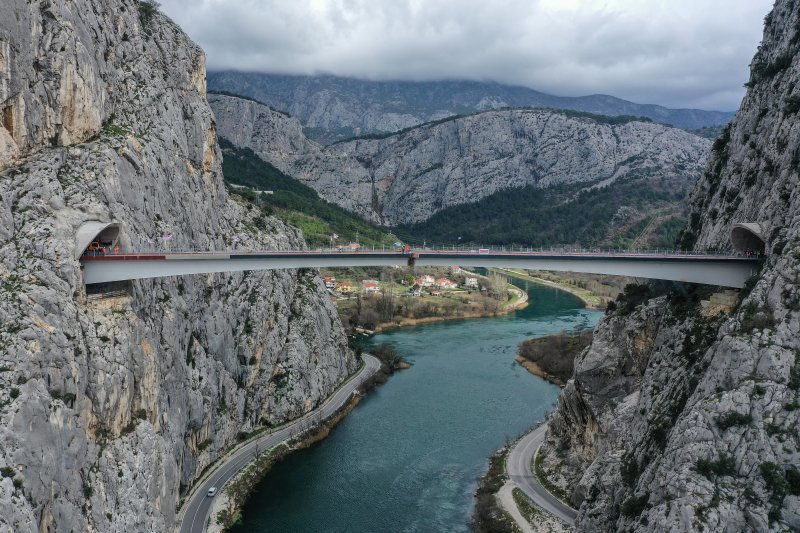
{"points": [[407, 458]]}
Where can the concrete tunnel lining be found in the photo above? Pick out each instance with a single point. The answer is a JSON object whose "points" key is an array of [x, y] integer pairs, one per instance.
{"points": [[95, 230], [747, 236]]}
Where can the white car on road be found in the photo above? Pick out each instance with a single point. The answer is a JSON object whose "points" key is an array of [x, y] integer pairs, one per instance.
{"points": [[211, 492]]}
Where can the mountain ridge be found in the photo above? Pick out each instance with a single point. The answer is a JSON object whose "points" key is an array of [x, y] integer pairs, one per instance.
{"points": [[333, 107]]}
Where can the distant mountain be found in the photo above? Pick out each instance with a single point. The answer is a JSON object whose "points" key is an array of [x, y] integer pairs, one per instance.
{"points": [[406, 177], [332, 108]]}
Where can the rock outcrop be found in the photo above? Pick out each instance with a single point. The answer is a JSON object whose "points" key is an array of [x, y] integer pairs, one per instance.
{"points": [[332, 108], [110, 408], [677, 421], [408, 176]]}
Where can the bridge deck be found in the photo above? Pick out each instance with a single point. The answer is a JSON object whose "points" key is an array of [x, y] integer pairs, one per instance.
{"points": [[722, 270]]}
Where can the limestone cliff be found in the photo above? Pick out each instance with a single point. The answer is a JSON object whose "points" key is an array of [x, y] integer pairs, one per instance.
{"points": [[109, 408], [408, 176], [677, 421]]}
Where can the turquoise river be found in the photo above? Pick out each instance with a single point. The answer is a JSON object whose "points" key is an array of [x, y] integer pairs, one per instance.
{"points": [[408, 456]]}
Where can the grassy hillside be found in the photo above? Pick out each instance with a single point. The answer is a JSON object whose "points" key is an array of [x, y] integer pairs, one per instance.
{"points": [[553, 216], [294, 202]]}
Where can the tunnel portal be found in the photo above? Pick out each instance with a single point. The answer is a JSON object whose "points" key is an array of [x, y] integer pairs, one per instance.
{"points": [[103, 233], [747, 237]]}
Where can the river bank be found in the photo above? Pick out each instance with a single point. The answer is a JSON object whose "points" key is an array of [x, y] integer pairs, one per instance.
{"points": [[226, 510], [517, 302], [489, 513], [538, 371], [307, 431], [589, 299]]}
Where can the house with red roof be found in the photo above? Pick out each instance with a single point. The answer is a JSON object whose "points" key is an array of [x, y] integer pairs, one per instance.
{"points": [[371, 285], [345, 287], [444, 283]]}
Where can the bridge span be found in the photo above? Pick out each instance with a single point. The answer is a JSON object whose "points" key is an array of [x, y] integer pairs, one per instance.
{"points": [[721, 270]]}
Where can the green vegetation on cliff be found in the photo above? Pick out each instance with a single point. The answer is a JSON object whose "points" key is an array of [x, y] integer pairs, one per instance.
{"points": [[544, 217], [293, 202]]}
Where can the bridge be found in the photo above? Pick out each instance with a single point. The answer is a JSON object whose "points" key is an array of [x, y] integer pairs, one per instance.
{"points": [[725, 270], [721, 270]]}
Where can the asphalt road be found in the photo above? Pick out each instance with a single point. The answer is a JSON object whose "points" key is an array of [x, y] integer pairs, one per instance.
{"points": [[198, 507], [518, 466]]}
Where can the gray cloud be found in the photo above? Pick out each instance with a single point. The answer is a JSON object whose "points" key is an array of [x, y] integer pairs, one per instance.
{"points": [[679, 53]]}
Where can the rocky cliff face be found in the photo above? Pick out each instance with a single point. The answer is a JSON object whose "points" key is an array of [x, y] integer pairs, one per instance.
{"points": [[109, 408], [677, 421], [408, 176], [333, 108], [275, 136]]}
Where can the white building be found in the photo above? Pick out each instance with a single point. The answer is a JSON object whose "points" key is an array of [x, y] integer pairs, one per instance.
{"points": [[426, 281]]}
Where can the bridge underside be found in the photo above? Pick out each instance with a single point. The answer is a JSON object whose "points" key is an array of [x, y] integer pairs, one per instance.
{"points": [[722, 274], [691, 269], [106, 270]]}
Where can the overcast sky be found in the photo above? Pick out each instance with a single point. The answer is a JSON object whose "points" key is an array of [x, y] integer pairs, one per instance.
{"points": [[678, 53]]}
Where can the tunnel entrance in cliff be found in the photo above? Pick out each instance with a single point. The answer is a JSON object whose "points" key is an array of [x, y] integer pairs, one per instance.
{"points": [[748, 238], [92, 236]]}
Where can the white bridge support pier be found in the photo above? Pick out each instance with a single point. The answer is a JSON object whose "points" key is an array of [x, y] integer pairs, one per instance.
{"points": [[718, 270]]}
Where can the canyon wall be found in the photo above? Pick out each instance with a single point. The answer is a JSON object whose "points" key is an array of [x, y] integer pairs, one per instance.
{"points": [[110, 408], [675, 420]]}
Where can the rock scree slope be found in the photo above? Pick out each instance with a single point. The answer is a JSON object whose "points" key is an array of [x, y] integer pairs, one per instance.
{"points": [[408, 176], [676, 421], [110, 408]]}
